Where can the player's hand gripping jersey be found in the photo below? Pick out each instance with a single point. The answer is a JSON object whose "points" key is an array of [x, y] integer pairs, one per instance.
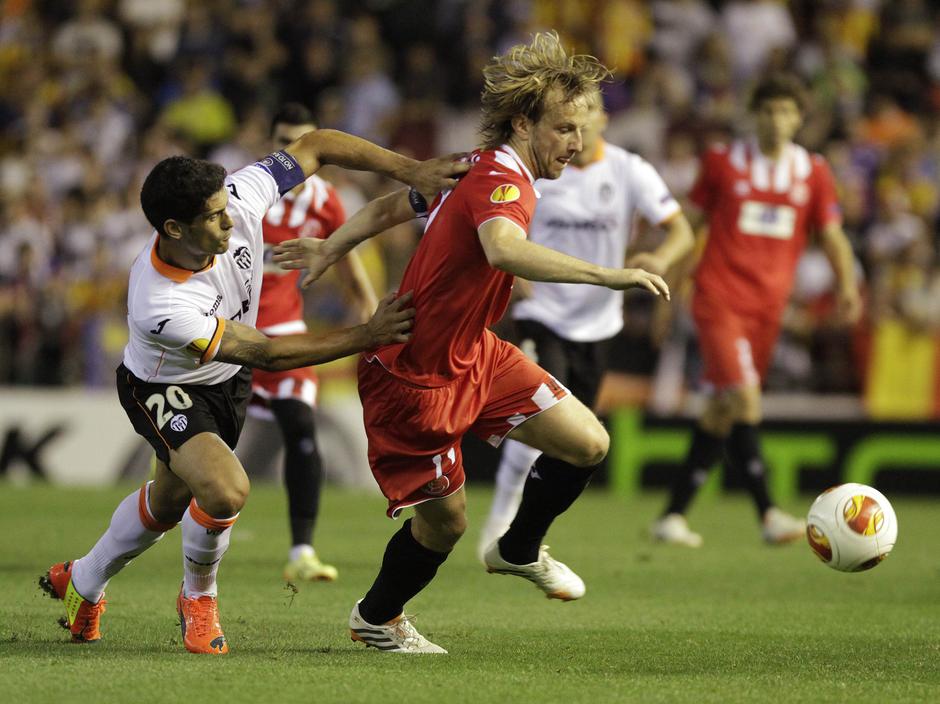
{"points": [[457, 294], [759, 214]]}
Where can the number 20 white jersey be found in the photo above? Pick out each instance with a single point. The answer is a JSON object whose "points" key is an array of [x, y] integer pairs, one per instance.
{"points": [[588, 213], [176, 317]]}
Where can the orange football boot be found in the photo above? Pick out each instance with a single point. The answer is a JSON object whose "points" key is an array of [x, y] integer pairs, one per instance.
{"points": [[82, 617], [199, 622]]}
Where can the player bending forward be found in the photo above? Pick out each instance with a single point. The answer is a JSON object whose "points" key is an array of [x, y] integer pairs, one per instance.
{"points": [[587, 212], [454, 375], [192, 303]]}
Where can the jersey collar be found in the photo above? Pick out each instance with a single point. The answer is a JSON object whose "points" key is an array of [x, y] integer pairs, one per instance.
{"points": [[173, 273], [515, 156]]}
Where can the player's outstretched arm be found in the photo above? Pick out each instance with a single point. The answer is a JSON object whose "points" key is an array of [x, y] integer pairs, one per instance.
{"points": [[508, 250], [316, 256], [242, 344], [357, 287], [319, 147]]}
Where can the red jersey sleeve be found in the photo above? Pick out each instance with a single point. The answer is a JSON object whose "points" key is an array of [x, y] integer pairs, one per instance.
{"points": [[705, 191], [501, 196], [334, 215], [825, 208]]}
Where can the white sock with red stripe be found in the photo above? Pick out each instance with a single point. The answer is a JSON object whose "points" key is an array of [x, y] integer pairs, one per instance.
{"points": [[133, 530], [205, 540]]}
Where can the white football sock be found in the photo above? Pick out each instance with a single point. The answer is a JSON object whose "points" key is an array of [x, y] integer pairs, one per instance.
{"points": [[301, 550], [133, 530], [205, 540], [514, 467]]}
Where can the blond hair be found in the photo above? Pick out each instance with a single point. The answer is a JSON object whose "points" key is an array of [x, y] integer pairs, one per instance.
{"points": [[518, 82]]}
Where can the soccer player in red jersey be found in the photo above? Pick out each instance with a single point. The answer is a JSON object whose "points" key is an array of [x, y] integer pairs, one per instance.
{"points": [[311, 209], [763, 197], [456, 376]]}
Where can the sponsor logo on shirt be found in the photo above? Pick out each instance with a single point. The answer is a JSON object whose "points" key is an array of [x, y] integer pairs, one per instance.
{"points": [[595, 225], [215, 306], [506, 193]]}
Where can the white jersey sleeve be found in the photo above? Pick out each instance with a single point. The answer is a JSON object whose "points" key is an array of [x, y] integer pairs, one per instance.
{"points": [[649, 193], [185, 329], [253, 188]]}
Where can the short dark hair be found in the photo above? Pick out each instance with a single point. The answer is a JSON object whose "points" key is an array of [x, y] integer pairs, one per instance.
{"points": [[292, 114], [177, 189], [779, 85]]}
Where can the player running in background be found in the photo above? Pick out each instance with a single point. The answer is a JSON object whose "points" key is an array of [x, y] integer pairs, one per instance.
{"points": [[587, 212], [455, 376], [312, 209], [762, 197], [184, 383]]}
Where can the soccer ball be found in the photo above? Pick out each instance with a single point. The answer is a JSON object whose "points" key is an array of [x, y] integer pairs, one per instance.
{"points": [[851, 527]]}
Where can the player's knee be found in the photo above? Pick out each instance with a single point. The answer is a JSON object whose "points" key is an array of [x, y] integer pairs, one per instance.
{"points": [[226, 499], [593, 448]]}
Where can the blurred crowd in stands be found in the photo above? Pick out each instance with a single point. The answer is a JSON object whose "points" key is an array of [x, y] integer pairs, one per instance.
{"points": [[94, 92]]}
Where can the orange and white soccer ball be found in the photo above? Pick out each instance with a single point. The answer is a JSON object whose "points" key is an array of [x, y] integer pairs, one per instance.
{"points": [[851, 527]]}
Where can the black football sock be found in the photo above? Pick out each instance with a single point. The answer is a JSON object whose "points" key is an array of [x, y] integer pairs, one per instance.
{"points": [[744, 455], [551, 487], [704, 451], [303, 468], [407, 568]]}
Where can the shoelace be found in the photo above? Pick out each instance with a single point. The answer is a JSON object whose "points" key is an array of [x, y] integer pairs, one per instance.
{"points": [[206, 614], [405, 630]]}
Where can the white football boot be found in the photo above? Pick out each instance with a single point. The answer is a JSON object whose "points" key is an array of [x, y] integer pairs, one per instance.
{"points": [[674, 530], [397, 636], [554, 578], [780, 527]]}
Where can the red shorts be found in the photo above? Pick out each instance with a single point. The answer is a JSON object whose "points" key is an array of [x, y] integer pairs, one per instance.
{"points": [[736, 349], [415, 431], [300, 384]]}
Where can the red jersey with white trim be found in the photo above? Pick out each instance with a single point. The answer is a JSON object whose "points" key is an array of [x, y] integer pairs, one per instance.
{"points": [[759, 214], [457, 294], [316, 211]]}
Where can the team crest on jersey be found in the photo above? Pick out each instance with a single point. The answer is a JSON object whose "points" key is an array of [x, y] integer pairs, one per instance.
{"points": [[437, 486], [179, 422], [742, 188], [242, 257], [506, 193], [607, 192], [799, 194]]}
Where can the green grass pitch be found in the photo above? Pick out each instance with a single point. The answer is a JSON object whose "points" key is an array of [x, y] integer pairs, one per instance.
{"points": [[732, 622]]}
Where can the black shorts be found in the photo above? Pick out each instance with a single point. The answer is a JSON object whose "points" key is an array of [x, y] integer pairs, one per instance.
{"points": [[578, 365], [167, 415]]}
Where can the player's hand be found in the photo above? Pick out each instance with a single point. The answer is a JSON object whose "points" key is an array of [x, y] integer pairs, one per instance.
{"points": [[648, 261], [440, 174], [639, 278], [392, 320], [849, 306], [314, 255]]}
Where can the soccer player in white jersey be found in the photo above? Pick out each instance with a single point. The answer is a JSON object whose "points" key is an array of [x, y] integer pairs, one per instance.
{"points": [[587, 212], [192, 303]]}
